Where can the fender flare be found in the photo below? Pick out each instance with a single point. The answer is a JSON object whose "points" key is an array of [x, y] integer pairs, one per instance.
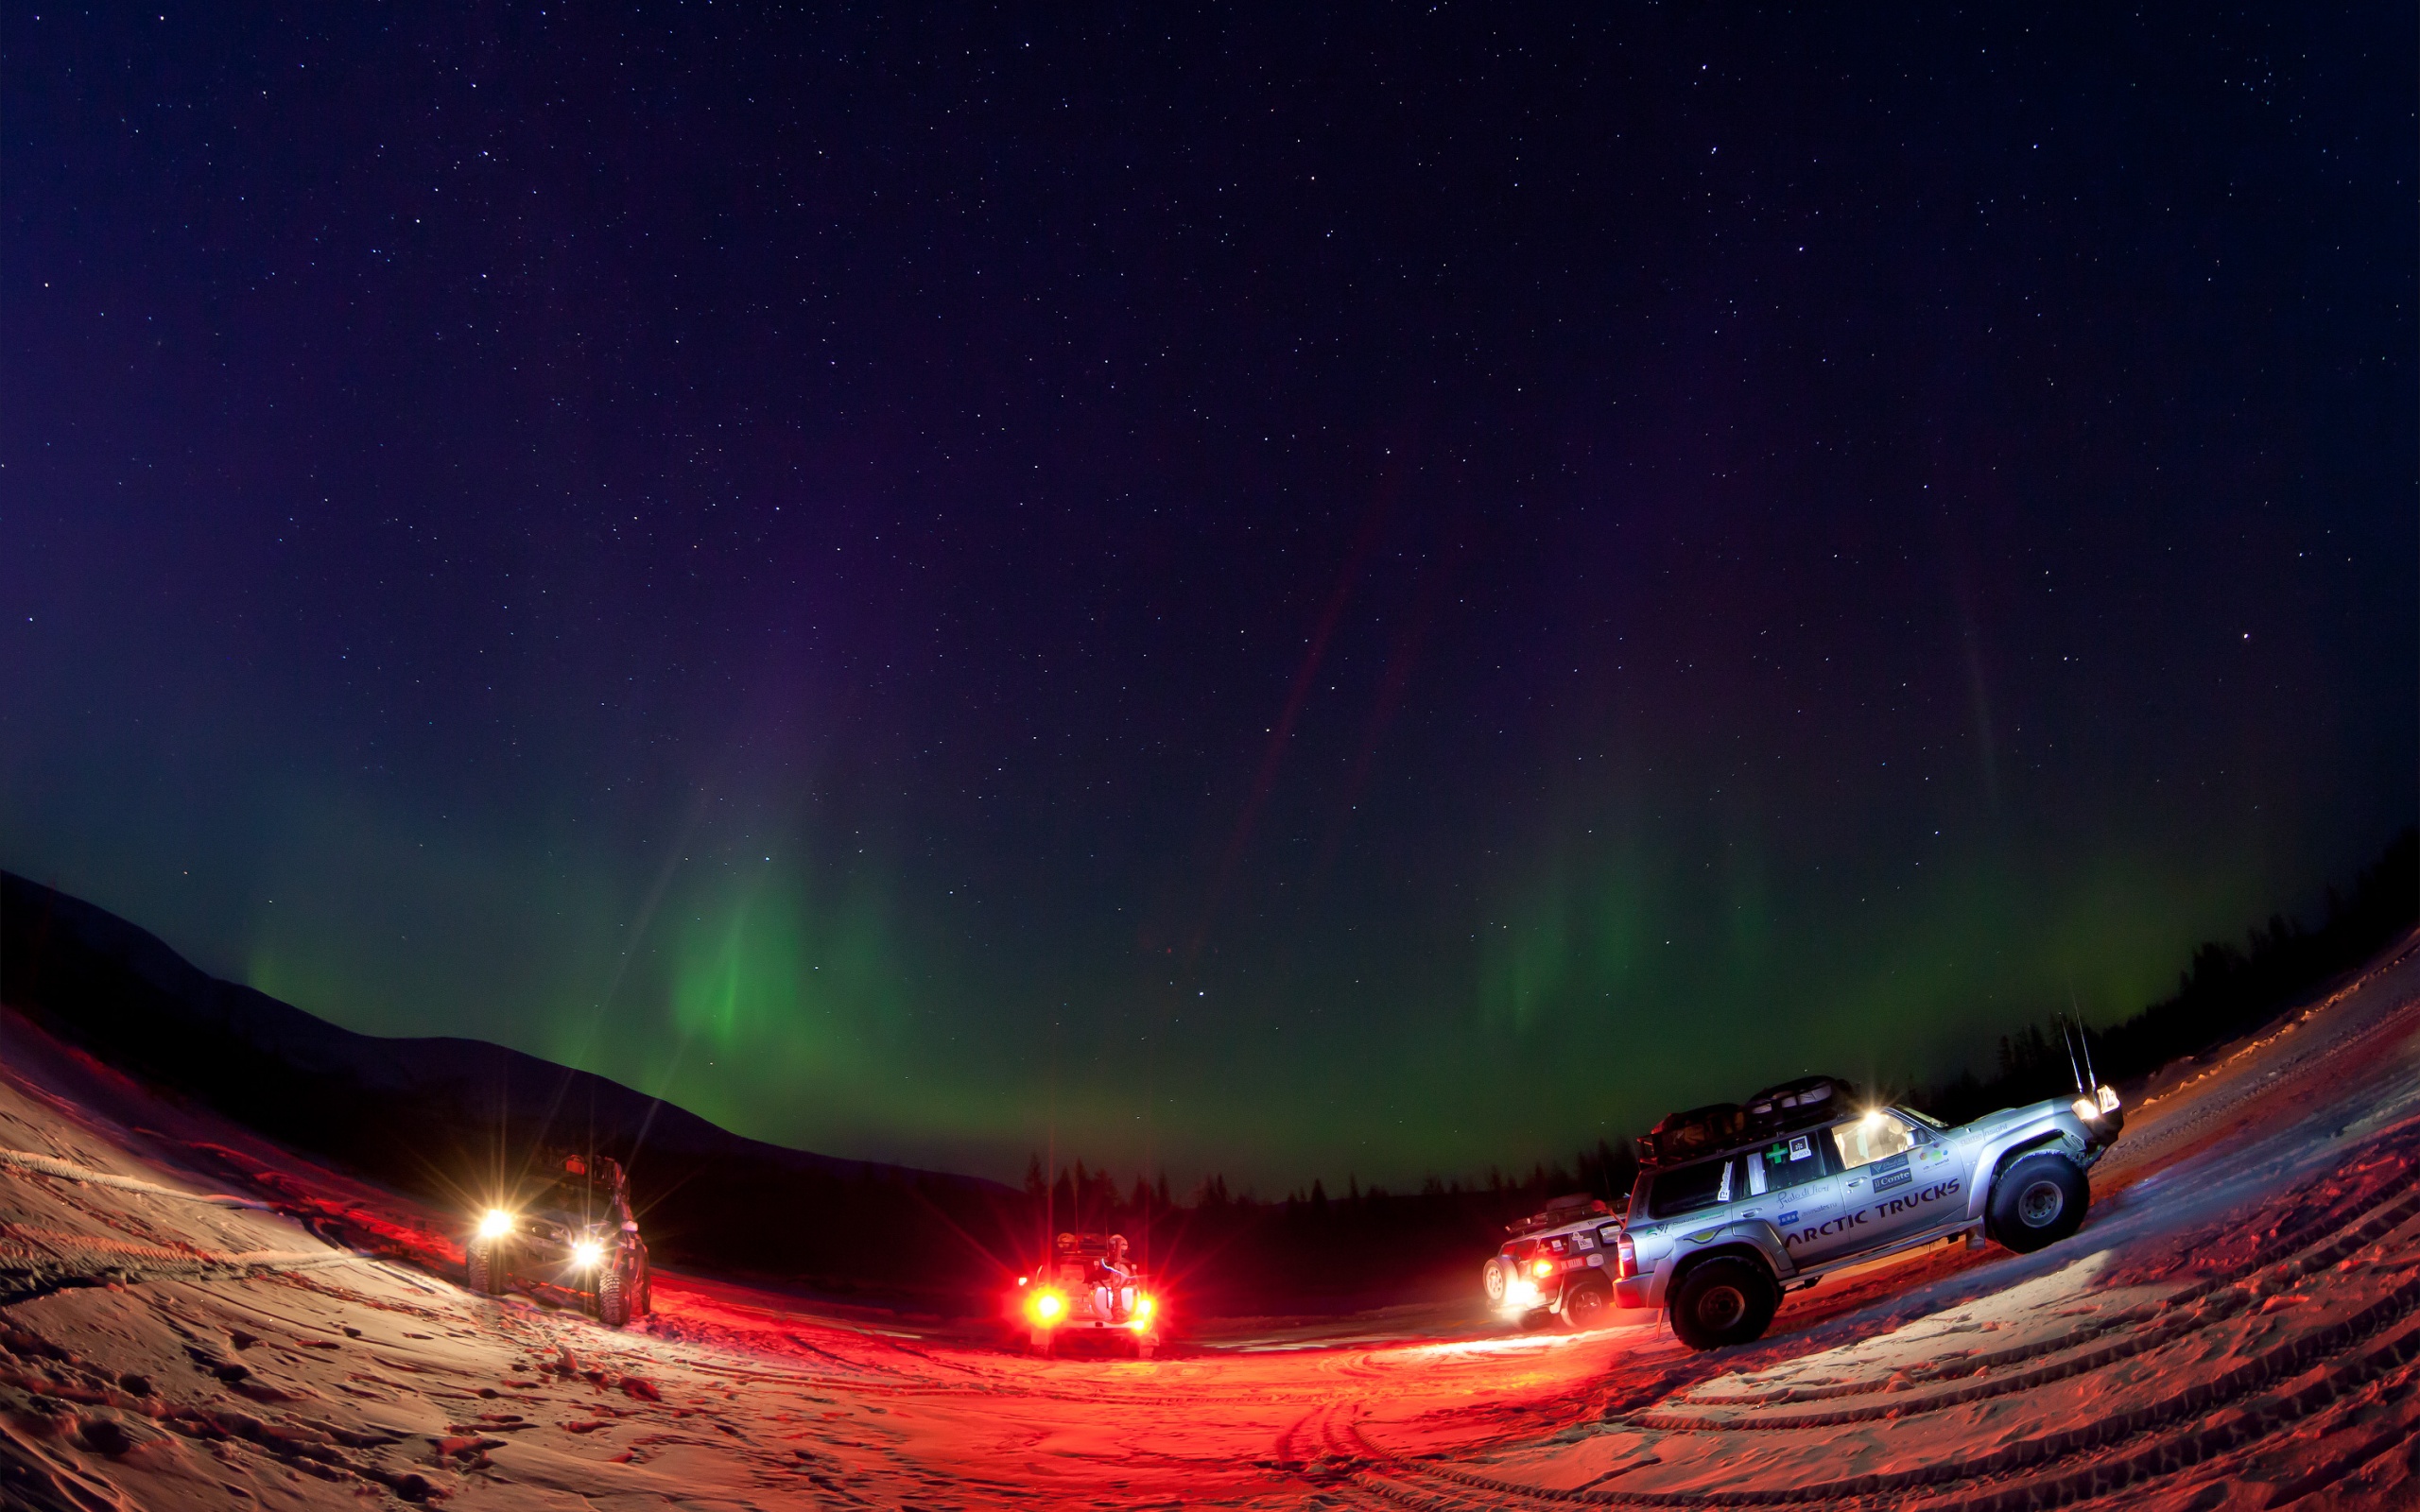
{"points": [[1736, 1245], [1769, 1242], [1998, 1155]]}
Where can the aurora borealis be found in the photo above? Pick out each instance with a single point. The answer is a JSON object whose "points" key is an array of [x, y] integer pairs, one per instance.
{"points": [[1378, 596]]}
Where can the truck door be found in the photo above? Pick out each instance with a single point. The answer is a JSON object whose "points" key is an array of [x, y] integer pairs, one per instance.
{"points": [[1896, 1178], [1793, 1183]]}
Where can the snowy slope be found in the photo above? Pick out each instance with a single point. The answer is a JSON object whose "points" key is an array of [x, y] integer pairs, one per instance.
{"points": [[195, 1318]]}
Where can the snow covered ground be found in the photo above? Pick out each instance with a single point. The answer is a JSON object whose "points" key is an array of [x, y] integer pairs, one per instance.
{"points": [[191, 1318]]}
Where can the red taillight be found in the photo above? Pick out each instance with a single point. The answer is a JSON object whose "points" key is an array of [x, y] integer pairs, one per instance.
{"points": [[1626, 1255]]}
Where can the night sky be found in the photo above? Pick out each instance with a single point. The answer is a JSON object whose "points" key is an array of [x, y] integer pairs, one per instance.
{"points": [[1346, 597]]}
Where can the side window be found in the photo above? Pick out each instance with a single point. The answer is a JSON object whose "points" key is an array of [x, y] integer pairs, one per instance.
{"points": [[1788, 1161], [1707, 1184], [1877, 1136]]}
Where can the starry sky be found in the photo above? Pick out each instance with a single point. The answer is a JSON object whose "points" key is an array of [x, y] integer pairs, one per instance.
{"points": [[1360, 595]]}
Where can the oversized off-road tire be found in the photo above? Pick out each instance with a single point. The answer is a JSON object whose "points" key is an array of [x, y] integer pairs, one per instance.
{"points": [[613, 1297], [1725, 1300], [486, 1272], [1585, 1305], [2038, 1200], [1495, 1277]]}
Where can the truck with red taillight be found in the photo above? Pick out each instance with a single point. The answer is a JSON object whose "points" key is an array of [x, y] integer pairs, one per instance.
{"points": [[1088, 1287], [1556, 1266]]}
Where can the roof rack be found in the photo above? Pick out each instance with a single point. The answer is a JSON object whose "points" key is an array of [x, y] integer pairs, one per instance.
{"points": [[1718, 1127], [1561, 1211], [1795, 1105], [1698, 1131]]}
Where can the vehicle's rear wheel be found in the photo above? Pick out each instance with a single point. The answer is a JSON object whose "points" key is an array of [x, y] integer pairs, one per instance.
{"points": [[1585, 1306], [613, 1297], [486, 1272], [2038, 1200], [1495, 1277], [1724, 1301]]}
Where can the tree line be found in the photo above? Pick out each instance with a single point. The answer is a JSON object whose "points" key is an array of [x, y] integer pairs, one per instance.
{"points": [[1314, 1250], [2225, 991]]}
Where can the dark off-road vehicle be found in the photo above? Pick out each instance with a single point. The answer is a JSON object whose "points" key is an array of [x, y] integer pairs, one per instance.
{"points": [[576, 1241], [1737, 1203], [1087, 1287]]}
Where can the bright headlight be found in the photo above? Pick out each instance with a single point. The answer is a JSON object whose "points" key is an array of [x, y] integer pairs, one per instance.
{"points": [[494, 1223], [1047, 1306], [587, 1253], [2087, 1109], [1143, 1306], [2109, 1099]]}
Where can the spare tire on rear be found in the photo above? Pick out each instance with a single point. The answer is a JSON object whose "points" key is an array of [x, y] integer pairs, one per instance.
{"points": [[1497, 1277]]}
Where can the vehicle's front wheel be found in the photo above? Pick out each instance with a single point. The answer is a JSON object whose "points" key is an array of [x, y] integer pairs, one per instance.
{"points": [[1497, 1277], [2038, 1200], [1723, 1302], [612, 1299], [1587, 1305], [485, 1274]]}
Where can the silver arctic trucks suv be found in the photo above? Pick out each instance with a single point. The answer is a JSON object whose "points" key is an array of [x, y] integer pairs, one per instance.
{"points": [[1737, 1204]]}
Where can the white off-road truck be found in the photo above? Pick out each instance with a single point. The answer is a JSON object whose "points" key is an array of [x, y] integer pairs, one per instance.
{"points": [[1557, 1264], [1737, 1204]]}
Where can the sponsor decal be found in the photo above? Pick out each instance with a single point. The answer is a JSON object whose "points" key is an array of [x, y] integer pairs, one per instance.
{"points": [[1892, 1178], [1790, 1216], [1917, 1199], [1889, 1207], [1799, 1148]]}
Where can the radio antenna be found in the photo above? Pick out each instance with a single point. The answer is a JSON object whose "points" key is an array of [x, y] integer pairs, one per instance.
{"points": [[2069, 1040], [2085, 1036]]}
